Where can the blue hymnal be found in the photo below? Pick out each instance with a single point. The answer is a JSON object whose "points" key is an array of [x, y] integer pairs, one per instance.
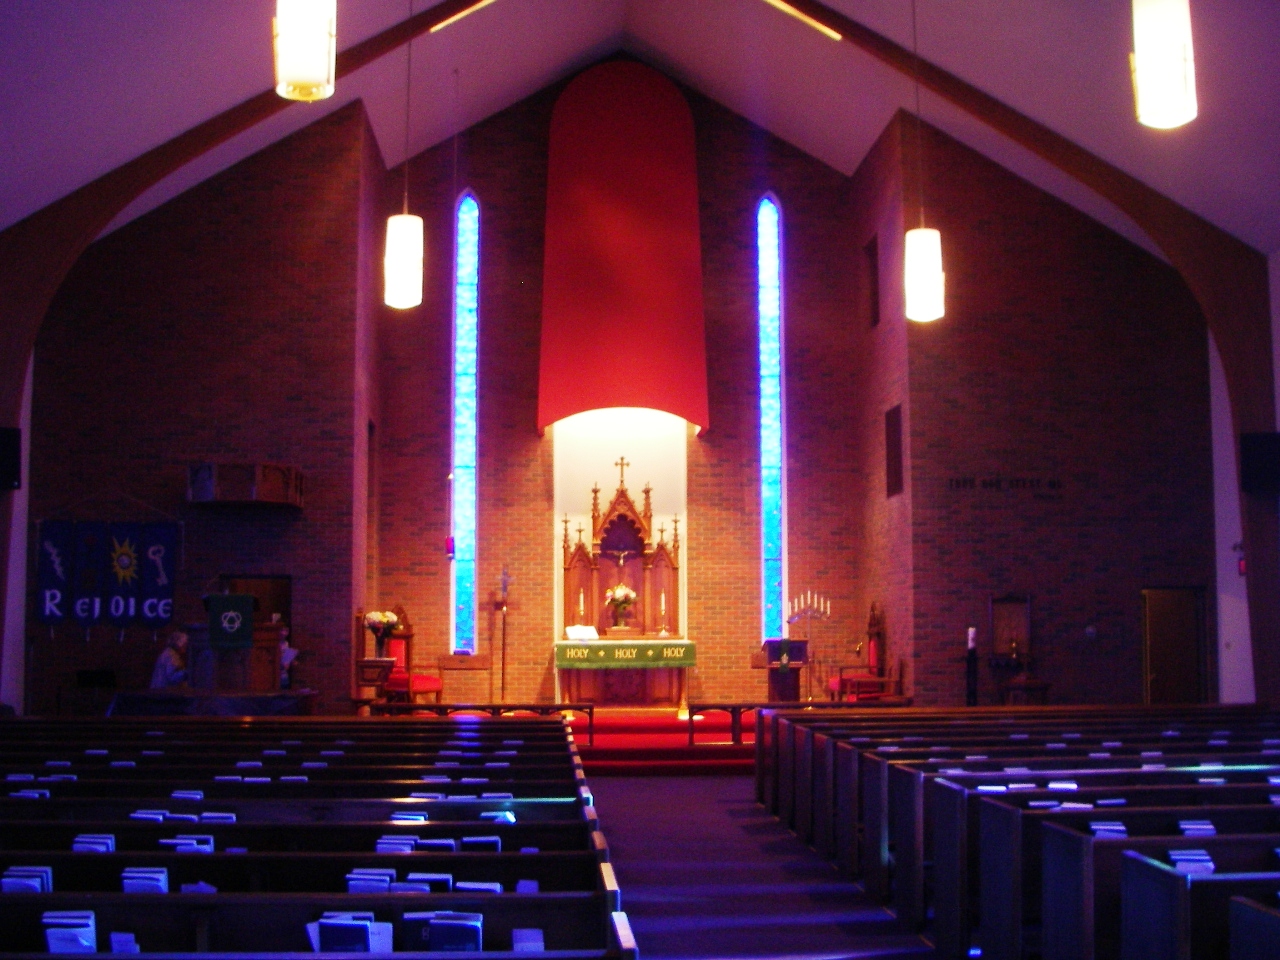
{"points": [[438, 882], [482, 843], [526, 940], [443, 930], [70, 931], [438, 844], [145, 880], [27, 880]]}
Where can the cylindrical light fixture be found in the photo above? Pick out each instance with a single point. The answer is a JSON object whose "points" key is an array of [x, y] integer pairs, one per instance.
{"points": [[306, 44], [923, 279], [402, 262], [1164, 69]]}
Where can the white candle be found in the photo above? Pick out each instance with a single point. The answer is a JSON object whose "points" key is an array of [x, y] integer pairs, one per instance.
{"points": [[581, 605], [662, 603], [973, 637]]}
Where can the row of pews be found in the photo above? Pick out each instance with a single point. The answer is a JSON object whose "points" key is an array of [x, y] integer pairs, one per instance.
{"points": [[1065, 833], [287, 837]]}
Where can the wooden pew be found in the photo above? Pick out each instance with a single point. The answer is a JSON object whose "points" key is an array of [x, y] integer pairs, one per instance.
{"points": [[896, 817], [1077, 903], [1255, 930], [1166, 915], [335, 818], [255, 924]]}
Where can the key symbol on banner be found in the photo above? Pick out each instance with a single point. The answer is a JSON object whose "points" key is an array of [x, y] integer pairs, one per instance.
{"points": [[55, 558], [156, 555]]}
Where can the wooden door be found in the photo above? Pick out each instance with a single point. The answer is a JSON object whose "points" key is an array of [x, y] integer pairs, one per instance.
{"points": [[1173, 645]]}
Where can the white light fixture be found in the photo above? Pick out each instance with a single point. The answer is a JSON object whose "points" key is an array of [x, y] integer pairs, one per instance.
{"points": [[1163, 63], [923, 277], [306, 45], [402, 261], [923, 281]]}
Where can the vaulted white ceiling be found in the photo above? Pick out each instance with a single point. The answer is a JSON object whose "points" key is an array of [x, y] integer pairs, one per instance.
{"points": [[89, 84]]}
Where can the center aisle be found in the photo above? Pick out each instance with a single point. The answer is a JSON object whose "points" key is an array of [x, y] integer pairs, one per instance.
{"points": [[706, 873]]}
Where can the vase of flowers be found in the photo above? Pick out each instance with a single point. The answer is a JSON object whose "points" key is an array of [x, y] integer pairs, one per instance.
{"points": [[619, 600], [381, 624]]}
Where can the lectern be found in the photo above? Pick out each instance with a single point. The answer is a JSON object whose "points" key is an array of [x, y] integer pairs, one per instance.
{"points": [[784, 677]]}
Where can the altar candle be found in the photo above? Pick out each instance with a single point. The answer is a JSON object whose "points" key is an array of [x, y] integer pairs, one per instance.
{"points": [[973, 637], [662, 603], [581, 606]]}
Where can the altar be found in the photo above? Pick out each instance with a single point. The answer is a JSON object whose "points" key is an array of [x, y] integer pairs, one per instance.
{"points": [[592, 671], [622, 602]]}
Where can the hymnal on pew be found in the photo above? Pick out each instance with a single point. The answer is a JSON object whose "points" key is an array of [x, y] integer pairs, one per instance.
{"points": [[370, 880], [27, 880], [352, 931], [70, 931], [436, 882], [477, 886], [145, 880], [481, 843], [1191, 861], [527, 940], [187, 795], [124, 943], [443, 930], [94, 843], [438, 845]]}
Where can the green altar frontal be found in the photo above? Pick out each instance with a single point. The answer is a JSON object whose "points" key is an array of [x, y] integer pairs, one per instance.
{"points": [[615, 654]]}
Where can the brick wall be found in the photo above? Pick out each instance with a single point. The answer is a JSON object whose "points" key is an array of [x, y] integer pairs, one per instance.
{"points": [[878, 369], [221, 326], [1070, 375]]}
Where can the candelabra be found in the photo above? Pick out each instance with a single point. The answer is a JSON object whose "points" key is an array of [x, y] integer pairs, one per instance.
{"points": [[805, 607]]}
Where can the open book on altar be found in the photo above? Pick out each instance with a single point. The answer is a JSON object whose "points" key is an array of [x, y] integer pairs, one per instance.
{"points": [[581, 632]]}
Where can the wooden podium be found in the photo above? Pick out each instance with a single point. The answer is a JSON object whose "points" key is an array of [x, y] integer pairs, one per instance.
{"points": [[784, 685]]}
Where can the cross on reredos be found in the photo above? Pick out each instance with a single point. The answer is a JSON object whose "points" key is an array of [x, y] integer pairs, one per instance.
{"points": [[622, 463]]}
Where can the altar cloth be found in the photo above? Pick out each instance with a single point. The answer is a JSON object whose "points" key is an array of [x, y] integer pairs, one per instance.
{"points": [[616, 654]]}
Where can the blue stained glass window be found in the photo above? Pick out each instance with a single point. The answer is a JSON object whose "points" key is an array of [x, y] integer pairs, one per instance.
{"points": [[769, 261], [466, 304]]}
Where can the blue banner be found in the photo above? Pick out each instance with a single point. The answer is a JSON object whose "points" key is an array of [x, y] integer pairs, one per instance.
{"points": [[53, 570], [90, 568], [119, 572], [158, 566]]}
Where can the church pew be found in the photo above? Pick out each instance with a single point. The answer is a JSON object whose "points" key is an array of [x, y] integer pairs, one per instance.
{"points": [[1084, 881], [815, 786], [956, 848], [800, 776], [313, 872], [261, 923], [1030, 880], [848, 840], [1166, 915], [319, 837], [1255, 930], [898, 825], [289, 810]]}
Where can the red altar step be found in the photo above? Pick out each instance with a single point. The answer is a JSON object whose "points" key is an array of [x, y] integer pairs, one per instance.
{"points": [[655, 742]]}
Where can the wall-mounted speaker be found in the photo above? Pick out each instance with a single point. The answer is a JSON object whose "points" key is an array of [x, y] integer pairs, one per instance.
{"points": [[1260, 463], [10, 458]]}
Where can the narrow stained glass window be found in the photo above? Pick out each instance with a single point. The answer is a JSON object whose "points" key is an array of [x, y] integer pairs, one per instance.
{"points": [[769, 260], [466, 302]]}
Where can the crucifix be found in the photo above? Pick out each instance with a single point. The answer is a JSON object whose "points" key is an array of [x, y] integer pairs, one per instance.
{"points": [[622, 463]]}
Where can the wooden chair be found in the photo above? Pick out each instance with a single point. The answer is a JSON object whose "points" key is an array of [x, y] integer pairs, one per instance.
{"points": [[372, 674], [404, 685]]}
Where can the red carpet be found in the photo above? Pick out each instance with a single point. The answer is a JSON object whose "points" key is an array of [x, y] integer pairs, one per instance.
{"points": [[655, 742]]}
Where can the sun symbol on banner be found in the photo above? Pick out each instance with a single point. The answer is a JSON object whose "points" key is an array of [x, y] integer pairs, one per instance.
{"points": [[124, 561]]}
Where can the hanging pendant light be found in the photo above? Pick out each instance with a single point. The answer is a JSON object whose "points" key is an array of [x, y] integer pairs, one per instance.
{"points": [[923, 281], [1163, 63], [402, 261], [306, 45], [923, 277]]}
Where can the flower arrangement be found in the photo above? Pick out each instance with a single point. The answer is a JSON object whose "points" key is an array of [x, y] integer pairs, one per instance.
{"points": [[381, 624], [620, 599]]}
